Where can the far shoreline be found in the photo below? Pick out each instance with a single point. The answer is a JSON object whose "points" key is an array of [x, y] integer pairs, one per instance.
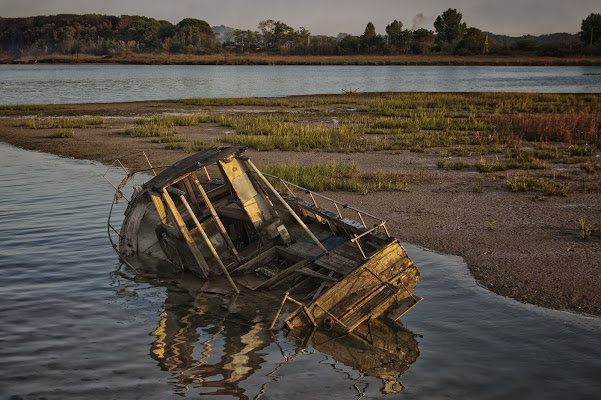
{"points": [[265, 59]]}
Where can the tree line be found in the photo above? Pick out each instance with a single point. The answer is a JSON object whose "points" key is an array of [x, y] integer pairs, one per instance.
{"points": [[104, 35], [108, 35]]}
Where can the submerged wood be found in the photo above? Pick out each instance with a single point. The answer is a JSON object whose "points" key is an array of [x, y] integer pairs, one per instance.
{"points": [[340, 271]]}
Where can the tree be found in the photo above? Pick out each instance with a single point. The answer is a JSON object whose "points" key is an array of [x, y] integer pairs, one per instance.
{"points": [[348, 44], [275, 34], [471, 43], [398, 39], [421, 41], [590, 32], [370, 41], [246, 41], [448, 26], [194, 36]]}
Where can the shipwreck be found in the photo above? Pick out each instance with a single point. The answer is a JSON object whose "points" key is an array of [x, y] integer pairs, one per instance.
{"points": [[217, 216]]}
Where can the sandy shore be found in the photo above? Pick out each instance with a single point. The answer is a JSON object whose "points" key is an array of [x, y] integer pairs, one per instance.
{"points": [[520, 245]]}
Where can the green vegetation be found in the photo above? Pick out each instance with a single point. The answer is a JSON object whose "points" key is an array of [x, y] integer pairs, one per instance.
{"points": [[152, 128], [122, 38], [549, 187], [586, 229], [61, 123], [62, 134], [338, 176], [421, 121], [32, 107], [504, 129], [70, 34], [235, 101]]}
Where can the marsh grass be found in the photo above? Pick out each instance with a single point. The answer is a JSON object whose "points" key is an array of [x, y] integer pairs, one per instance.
{"points": [[458, 165], [150, 129], [33, 107], [486, 167], [62, 123], [236, 101], [549, 187], [62, 134], [338, 176], [586, 229], [169, 139], [567, 128], [591, 166], [485, 123]]}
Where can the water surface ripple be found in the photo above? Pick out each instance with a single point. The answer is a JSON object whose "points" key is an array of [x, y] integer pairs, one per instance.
{"points": [[48, 84]]}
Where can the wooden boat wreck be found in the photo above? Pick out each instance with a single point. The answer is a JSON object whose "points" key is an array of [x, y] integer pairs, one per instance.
{"points": [[338, 271]]}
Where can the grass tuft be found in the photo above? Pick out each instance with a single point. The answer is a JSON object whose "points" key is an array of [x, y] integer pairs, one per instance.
{"points": [[338, 176], [62, 134]]}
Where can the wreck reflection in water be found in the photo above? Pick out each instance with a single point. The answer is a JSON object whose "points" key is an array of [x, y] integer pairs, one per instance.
{"points": [[211, 343]]}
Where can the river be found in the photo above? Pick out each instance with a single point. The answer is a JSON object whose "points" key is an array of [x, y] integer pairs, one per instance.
{"points": [[76, 324], [48, 84]]}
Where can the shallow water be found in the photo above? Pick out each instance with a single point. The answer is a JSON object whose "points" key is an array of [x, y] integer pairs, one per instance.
{"points": [[74, 325], [47, 84]]}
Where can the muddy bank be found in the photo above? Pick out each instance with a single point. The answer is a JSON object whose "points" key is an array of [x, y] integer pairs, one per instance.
{"points": [[520, 245]]}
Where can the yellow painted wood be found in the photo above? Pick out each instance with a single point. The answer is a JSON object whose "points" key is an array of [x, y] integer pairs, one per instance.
{"points": [[255, 205], [202, 264], [208, 243], [215, 217], [158, 205]]}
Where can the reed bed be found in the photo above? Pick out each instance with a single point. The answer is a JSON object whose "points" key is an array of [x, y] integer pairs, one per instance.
{"points": [[338, 176], [526, 131], [150, 129], [569, 128], [62, 123]]}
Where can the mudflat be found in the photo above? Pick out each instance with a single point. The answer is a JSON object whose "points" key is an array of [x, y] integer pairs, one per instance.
{"points": [[540, 245]]}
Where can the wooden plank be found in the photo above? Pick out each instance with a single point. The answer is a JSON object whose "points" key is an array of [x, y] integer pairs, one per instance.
{"points": [[309, 272], [264, 257], [158, 205], [321, 287], [403, 306], [275, 280], [202, 264], [215, 217], [188, 184], [337, 263], [305, 249], [188, 164]]}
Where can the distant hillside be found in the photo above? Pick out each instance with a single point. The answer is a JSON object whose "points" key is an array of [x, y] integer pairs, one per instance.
{"points": [[566, 38]]}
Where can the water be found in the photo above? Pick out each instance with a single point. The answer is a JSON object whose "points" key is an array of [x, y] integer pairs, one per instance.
{"points": [[47, 84], [74, 325]]}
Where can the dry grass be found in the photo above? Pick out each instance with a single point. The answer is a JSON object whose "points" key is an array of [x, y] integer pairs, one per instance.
{"points": [[569, 128]]}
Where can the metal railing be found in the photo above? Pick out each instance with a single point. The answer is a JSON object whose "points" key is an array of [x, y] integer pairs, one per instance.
{"points": [[337, 205]]}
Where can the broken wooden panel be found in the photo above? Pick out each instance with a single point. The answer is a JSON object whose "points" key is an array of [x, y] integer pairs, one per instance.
{"points": [[367, 292], [257, 207]]}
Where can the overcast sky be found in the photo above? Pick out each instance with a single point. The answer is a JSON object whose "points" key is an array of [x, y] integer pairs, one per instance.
{"points": [[512, 17]]}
